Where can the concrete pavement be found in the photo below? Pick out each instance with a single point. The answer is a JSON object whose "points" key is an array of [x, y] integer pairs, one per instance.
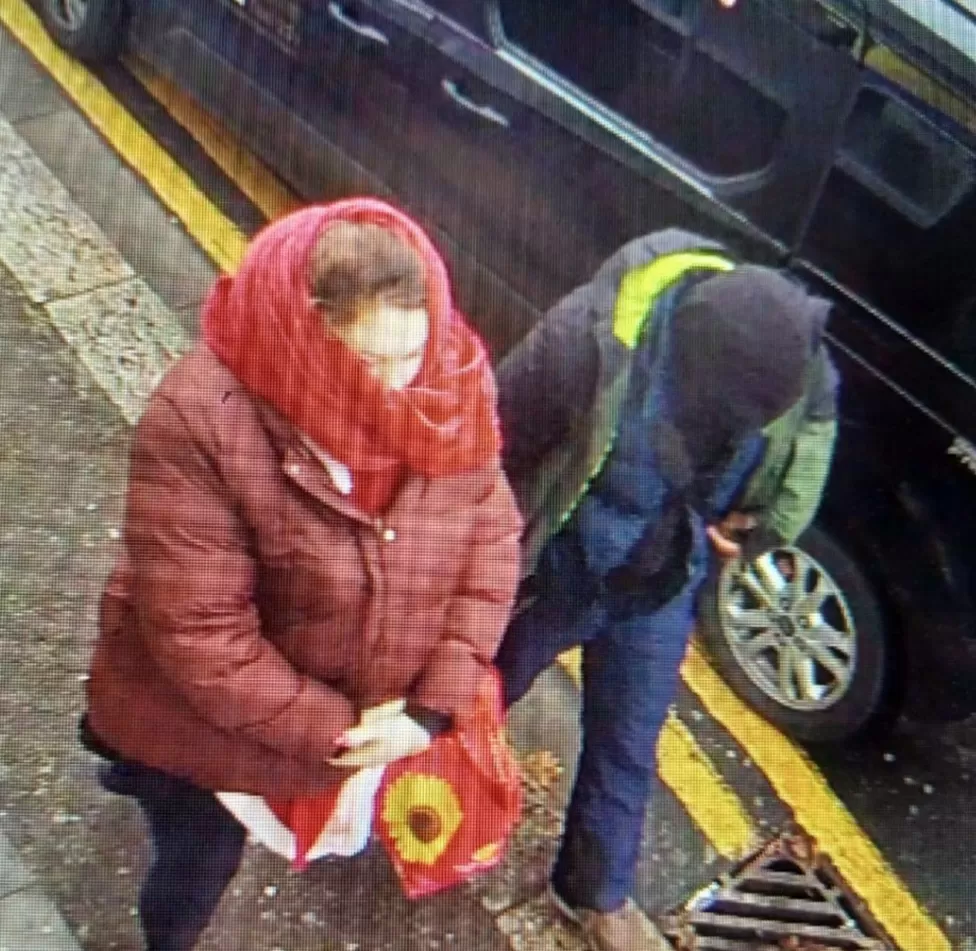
{"points": [[29, 921], [57, 262]]}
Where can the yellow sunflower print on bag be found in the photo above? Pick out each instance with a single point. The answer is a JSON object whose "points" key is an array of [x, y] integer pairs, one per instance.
{"points": [[422, 813]]}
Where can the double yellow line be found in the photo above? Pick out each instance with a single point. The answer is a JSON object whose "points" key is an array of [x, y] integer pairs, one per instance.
{"points": [[684, 767]]}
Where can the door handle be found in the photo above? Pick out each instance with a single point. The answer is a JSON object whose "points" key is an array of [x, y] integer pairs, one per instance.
{"points": [[482, 111], [360, 29]]}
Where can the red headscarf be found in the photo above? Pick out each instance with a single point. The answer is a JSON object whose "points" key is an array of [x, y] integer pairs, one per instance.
{"points": [[263, 325]]}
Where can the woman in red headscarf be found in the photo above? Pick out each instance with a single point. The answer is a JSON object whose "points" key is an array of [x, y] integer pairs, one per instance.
{"points": [[317, 525]]}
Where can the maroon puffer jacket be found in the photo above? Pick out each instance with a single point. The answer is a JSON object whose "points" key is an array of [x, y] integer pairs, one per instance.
{"points": [[256, 611]]}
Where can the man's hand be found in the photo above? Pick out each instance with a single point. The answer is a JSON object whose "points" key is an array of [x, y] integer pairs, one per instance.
{"points": [[726, 536], [384, 734]]}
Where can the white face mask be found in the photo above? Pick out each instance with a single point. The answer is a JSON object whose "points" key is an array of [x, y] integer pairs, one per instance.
{"points": [[391, 340]]}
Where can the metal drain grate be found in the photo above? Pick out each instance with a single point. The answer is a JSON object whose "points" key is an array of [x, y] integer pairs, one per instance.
{"points": [[783, 898]]}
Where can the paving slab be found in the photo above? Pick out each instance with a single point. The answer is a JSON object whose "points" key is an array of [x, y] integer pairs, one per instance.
{"points": [[13, 876], [53, 248], [29, 922], [125, 336], [146, 235]]}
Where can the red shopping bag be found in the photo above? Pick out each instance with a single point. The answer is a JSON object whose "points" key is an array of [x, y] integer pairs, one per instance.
{"points": [[447, 813], [443, 815]]}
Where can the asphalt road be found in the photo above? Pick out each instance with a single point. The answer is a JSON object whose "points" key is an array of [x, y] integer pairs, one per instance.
{"points": [[65, 442], [913, 794]]}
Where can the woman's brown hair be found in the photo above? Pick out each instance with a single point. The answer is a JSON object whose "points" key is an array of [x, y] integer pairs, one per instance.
{"points": [[352, 265]]}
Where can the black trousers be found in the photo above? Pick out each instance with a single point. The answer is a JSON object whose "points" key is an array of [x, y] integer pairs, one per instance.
{"points": [[196, 849]]}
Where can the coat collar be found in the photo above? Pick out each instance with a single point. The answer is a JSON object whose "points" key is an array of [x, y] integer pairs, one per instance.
{"points": [[300, 464]]}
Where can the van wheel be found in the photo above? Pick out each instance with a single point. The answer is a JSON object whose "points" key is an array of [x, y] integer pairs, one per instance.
{"points": [[91, 30], [799, 635]]}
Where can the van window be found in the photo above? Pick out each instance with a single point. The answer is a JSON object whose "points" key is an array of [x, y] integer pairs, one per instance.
{"points": [[893, 149], [638, 58], [931, 90], [894, 217], [901, 141]]}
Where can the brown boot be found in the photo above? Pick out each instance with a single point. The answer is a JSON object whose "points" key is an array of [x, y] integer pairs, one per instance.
{"points": [[625, 929]]}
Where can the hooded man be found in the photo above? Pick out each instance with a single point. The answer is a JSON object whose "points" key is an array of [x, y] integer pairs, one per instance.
{"points": [[678, 399]]}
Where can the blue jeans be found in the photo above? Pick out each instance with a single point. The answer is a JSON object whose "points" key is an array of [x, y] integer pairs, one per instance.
{"points": [[631, 661], [196, 849]]}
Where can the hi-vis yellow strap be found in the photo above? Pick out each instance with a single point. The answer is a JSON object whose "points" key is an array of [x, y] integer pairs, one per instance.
{"points": [[641, 287]]}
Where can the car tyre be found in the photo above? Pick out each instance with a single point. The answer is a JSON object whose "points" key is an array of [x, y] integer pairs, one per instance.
{"points": [[91, 30], [868, 702]]}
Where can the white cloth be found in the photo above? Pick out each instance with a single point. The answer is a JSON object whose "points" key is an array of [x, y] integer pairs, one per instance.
{"points": [[339, 473]]}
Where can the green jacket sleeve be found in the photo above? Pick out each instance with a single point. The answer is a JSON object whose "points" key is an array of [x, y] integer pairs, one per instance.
{"points": [[787, 488], [795, 504]]}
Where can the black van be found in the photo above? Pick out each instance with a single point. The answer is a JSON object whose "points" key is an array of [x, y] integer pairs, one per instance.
{"points": [[532, 138]]}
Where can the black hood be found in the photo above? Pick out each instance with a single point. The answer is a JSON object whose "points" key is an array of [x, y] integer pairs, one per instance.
{"points": [[740, 344]]}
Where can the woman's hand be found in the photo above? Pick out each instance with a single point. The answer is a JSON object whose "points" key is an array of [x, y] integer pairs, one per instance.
{"points": [[384, 734]]}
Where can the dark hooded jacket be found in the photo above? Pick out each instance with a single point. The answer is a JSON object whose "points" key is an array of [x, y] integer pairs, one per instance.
{"points": [[566, 391]]}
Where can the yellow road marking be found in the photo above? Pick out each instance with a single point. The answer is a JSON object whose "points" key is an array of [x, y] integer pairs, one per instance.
{"points": [[247, 172], [688, 772], [712, 804], [802, 787], [795, 779], [216, 235]]}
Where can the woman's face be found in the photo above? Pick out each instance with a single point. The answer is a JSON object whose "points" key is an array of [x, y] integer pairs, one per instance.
{"points": [[391, 340]]}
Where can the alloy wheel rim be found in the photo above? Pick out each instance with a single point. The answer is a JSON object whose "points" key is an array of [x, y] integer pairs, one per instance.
{"points": [[790, 628]]}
